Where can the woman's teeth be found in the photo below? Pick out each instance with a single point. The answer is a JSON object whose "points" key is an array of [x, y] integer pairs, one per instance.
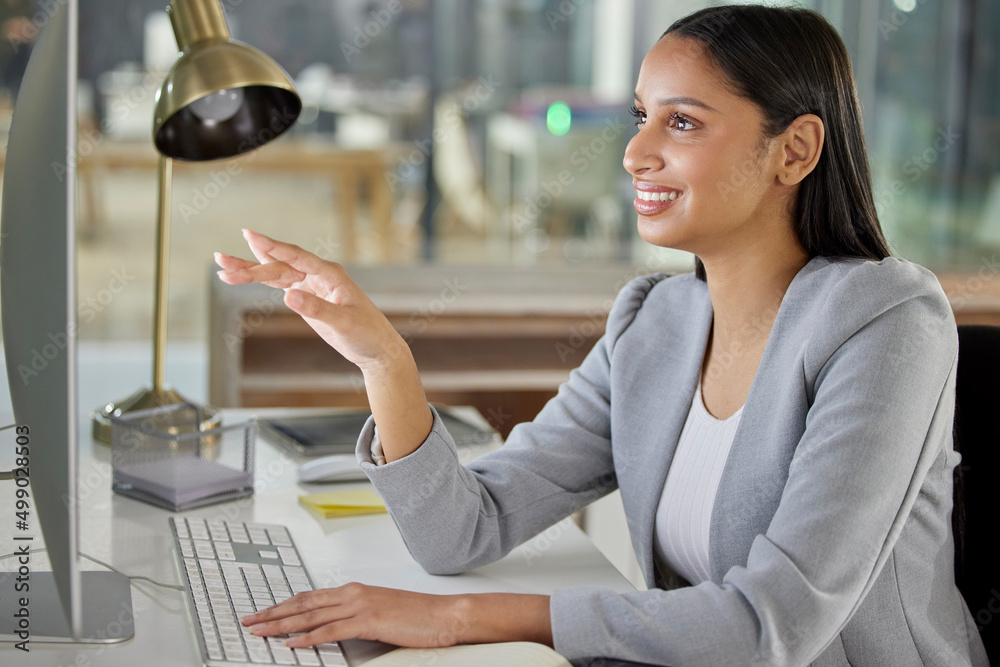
{"points": [[657, 196]]}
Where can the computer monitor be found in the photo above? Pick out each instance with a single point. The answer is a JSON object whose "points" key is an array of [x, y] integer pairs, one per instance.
{"points": [[38, 300]]}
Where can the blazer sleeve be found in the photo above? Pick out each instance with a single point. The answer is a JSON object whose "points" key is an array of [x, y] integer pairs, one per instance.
{"points": [[454, 518], [880, 365]]}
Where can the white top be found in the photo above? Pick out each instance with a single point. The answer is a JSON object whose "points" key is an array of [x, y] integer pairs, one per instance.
{"points": [[684, 515]]}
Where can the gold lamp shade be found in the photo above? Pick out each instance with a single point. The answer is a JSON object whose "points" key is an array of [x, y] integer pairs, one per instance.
{"points": [[221, 98]]}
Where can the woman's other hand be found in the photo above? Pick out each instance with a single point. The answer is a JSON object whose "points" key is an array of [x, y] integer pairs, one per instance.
{"points": [[417, 620]]}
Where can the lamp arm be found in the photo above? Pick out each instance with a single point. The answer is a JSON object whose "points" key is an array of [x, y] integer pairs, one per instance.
{"points": [[162, 273]]}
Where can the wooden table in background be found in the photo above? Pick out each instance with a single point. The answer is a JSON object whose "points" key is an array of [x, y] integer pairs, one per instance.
{"points": [[975, 297], [358, 176]]}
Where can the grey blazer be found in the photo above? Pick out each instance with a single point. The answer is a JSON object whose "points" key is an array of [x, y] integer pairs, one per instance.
{"points": [[830, 539]]}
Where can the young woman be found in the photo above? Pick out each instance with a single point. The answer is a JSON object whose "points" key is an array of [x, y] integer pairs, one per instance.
{"points": [[779, 423]]}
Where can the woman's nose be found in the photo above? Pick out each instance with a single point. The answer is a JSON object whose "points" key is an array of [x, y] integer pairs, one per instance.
{"points": [[639, 158]]}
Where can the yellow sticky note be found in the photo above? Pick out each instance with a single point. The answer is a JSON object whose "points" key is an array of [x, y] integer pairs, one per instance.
{"points": [[343, 503]]}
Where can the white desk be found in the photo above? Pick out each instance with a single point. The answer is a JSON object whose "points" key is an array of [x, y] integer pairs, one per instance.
{"points": [[135, 538]]}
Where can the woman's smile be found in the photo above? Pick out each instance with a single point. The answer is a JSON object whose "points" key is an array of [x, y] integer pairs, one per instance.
{"points": [[651, 199]]}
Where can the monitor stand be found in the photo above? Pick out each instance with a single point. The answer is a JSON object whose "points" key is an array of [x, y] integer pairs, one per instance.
{"points": [[106, 618]]}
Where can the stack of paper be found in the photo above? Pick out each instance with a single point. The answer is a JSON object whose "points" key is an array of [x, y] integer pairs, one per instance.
{"points": [[182, 479], [343, 503]]}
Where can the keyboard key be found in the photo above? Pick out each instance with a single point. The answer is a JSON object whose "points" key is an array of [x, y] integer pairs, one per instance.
{"points": [[187, 548], [279, 537], [289, 556], [231, 636], [224, 551], [204, 549], [272, 571], [198, 528], [332, 659], [307, 656], [282, 655], [235, 653], [217, 529], [260, 657], [258, 536]]}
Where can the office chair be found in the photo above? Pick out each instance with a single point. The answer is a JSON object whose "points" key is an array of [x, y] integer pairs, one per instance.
{"points": [[977, 437]]}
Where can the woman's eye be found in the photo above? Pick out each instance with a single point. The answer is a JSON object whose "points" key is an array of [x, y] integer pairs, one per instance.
{"points": [[640, 116], [681, 123]]}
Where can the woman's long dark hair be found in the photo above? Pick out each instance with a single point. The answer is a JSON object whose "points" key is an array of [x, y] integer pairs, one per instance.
{"points": [[791, 62]]}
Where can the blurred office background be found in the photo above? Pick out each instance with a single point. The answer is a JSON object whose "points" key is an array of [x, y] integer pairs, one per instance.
{"points": [[496, 129], [459, 97]]}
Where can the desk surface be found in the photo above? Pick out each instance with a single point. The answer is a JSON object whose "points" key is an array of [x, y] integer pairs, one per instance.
{"points": [[135, 538]]}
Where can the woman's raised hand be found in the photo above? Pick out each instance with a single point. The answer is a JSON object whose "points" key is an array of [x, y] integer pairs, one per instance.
{"points": [[349, 322], [322, 293]]}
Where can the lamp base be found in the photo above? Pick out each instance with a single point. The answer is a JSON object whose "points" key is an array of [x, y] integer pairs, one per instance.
{"points": [[143, 400]]}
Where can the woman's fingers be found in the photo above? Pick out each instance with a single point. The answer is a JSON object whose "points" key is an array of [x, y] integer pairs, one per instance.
{"points": [[295, 606], [322, 293], [306, 622], [238, 271], [267, 250], [230, 263]]}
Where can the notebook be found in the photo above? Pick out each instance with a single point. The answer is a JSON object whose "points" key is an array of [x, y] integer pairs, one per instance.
{"points": [[337, 432]]}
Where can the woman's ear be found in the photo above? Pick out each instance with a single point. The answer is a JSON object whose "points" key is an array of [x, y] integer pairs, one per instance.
{"points": [[802, 145]]}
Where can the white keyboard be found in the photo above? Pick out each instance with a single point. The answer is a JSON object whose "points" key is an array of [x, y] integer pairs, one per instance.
{"points": [[234, 569]]}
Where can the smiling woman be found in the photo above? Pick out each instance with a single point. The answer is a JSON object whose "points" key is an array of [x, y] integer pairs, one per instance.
{"points": [[779, 425]]}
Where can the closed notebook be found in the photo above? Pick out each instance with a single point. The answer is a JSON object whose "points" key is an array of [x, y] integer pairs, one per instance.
{"points": [[522, 654], [343, 503]]}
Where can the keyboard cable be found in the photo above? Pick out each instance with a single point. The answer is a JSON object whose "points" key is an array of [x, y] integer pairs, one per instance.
{"points": [[131, 577]]}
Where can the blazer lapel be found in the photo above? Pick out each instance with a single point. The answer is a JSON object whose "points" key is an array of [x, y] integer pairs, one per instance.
{"points": [[657, 385]]}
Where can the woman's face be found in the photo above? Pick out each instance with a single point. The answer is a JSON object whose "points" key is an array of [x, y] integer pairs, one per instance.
{"points": [[700, 148]]}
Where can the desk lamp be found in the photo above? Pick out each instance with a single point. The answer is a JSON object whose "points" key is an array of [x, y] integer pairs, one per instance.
{"points": [[220, 99]]}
